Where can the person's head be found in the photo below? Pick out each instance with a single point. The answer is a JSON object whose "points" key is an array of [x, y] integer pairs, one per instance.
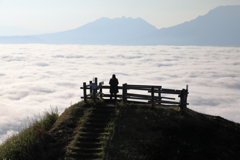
{"points": [[113, 76]]}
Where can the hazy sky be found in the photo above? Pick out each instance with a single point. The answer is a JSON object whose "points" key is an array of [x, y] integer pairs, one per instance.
{"points": [[59, 15]]}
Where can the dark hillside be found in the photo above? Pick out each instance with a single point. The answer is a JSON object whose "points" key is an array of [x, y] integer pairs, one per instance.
{"points": [[63, 132], [81, 132], [132, 131], [145, 133]]}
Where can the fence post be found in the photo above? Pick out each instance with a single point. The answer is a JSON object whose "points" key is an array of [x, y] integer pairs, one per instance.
{"points": [[152, 96], [84, 92], [124, 92], [90, 82], [123, 88], [159, 95], [94, 95], [183, 99], [95, 89], [96, 81], [100, 89], [186, 95]]}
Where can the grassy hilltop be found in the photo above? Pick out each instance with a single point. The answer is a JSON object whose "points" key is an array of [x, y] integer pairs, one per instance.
{"points": [[131, 131]]}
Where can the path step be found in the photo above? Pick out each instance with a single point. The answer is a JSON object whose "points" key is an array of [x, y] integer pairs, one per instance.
{"points": [[89, 139], [86, 156], [90, 134], [92, 129], [99, 120], [96, 125], [87, 150], [89, 145]]}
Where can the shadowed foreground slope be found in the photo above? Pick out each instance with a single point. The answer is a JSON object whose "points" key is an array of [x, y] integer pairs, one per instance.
{"points": [[142, 132], [145, 133], [136, 131]]}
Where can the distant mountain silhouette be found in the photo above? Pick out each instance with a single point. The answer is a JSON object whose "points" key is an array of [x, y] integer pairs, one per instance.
{"points": [[103, 31], [219, 27]]}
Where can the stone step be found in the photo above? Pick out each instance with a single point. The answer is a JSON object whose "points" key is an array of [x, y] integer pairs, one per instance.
{"points": [[87, 150], [99, 120], [93, 130], [89, 144], [86, 156], [90, 134], [95, 125], [89, 139]]}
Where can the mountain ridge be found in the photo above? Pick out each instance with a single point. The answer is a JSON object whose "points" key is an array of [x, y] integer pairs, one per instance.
{"points": [[215, 28], [219, 27], [102, 31]]}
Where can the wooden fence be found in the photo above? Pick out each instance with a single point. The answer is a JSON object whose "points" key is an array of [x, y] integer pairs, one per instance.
{"points": [[154, 94]]}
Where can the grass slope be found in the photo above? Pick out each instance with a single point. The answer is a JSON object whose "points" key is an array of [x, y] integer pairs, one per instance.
{"points": [[143, 132], [30, 142], [137, 132]]}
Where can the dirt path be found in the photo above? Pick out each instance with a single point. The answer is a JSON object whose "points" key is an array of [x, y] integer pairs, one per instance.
{"points": [[90, 143]]}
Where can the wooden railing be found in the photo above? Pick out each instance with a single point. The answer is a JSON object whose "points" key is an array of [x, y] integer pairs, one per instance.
{"points": [[153, 94]]}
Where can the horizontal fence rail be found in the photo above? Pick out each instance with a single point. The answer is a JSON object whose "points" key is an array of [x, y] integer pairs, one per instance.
{"points": [[153, 94]]}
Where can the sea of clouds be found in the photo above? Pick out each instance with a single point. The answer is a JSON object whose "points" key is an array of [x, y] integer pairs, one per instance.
{"points": [[37, 77]]}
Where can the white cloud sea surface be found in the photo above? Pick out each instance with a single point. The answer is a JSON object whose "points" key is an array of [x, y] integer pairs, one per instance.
{"points": [[34, 77]]}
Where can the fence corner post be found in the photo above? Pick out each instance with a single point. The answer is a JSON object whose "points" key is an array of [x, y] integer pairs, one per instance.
{"points": [[183, 99], [84, 92]]}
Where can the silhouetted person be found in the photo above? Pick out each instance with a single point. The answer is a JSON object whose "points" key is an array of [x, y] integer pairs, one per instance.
{"points": [[113, 87]]}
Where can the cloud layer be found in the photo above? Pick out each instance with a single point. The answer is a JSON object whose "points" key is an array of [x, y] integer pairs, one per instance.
{"points": [[34, 77]]}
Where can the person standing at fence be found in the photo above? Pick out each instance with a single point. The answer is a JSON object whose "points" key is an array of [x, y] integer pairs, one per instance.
{"points": [[113, 87]]}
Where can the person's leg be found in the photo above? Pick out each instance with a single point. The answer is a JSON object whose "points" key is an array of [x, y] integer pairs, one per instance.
{"points": [[115, 96], [111, 94]]}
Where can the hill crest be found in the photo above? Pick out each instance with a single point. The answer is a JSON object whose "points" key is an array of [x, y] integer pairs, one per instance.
{"points": [[137, 132]]}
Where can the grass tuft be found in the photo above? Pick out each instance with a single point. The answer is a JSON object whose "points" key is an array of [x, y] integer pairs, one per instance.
{"points": [[28, 143]]}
